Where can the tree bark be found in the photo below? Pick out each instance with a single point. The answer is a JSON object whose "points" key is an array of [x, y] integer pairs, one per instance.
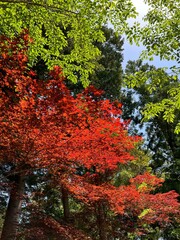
{"points": [[65, 202], [101, 220], [10, 227]]}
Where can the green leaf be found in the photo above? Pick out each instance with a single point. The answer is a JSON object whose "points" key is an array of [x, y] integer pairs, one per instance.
{"points": [[144, 213]]}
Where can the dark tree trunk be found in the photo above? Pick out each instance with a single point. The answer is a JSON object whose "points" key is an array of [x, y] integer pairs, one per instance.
{"points": [[101, 220], [65, 202], [11, 222]]}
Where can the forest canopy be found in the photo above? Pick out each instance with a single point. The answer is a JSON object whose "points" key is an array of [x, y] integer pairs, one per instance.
{"points": [[72, 162]]}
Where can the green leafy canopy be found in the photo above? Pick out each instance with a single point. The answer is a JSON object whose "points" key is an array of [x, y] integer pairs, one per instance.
{"points": [[160, 33], [160, 36]]}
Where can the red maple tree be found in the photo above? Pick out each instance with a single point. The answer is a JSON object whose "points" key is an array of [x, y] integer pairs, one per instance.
{"points": [[44, 127]]}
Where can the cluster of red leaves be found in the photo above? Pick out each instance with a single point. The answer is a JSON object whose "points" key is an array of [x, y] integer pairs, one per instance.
{"points": [[146, 182], [128, 200], [44, 126]]}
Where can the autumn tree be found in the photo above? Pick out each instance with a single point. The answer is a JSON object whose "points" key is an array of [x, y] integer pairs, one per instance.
{"points": [[24, 108], [107, 76], [44, 127]]}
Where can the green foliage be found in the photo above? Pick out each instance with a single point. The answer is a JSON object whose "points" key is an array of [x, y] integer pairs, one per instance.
{"points": [[108, 73], [150, 106], [160, 36], [54, 24], [144, 212], [161, 33], [133, 168], [165, 90]]}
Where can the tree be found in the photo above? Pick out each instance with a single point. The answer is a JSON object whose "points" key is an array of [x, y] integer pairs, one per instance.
{"points": [[160, 36], [54, 25], [25, 106], [107, 75], [43, 127], [154, 86]]}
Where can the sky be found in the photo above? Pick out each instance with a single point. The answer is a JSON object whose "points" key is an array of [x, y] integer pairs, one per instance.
{"points": [[132, 52]]}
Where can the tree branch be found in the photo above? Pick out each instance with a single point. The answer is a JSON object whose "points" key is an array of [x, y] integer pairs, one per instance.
{"points": [[29, 2]]}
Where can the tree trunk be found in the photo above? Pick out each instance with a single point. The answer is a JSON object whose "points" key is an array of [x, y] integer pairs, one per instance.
{"points": [[65, 202], [11, 222], [101, 220]]}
